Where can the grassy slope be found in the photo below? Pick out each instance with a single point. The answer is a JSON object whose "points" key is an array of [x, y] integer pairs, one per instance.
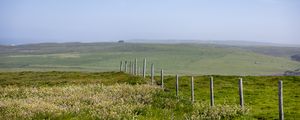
{"points": [[176, 58], [33, 79], [65, 95], [75, 95], [79, 92], [286, 52], [260, 93]]}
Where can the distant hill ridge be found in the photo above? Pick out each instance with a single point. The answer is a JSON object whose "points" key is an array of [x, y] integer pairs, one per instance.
{"points": [[170, 41]]}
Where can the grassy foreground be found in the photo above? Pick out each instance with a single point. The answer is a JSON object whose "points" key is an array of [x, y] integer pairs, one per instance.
{"points": [[114, 95]]}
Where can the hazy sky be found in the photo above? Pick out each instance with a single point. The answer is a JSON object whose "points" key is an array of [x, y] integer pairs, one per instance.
{"points": [[27, 21]]}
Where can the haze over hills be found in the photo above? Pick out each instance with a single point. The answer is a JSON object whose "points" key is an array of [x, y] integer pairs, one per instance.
{"points": [[170, 41], [221, 42], [178, 58]]}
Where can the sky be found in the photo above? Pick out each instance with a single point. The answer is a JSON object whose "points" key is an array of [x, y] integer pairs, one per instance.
{"points": [[36, 21]]}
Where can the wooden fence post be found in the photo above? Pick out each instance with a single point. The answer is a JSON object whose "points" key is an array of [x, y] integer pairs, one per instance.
{"points": [[126, 67], [152, 73], [129, 66], [241, 93], [192, 90], [212, 92], [139, 71], [132, 68], [144, 68], [162, 78], [121, 65], [135, 67], [177, 84], [280, 100]]}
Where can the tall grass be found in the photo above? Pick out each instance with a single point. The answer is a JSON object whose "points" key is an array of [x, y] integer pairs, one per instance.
{"points": [[88, 101], [74, 95], [120, 101]]}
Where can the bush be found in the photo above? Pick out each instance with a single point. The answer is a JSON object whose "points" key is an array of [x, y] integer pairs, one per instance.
{"points": [[217, 112]]}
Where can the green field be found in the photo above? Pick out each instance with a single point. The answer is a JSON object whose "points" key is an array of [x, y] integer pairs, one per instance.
{"points": [[115, 95], [200, 59], [68, 81]]}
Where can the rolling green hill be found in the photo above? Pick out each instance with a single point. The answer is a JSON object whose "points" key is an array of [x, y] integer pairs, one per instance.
{"points": [[173, 58]]}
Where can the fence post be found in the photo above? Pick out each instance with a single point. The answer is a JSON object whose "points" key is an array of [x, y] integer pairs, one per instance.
{"points": [[144, 68], [135, 67], [121, 65], [139, 71], [177, 84], [125, 66], [129, 66], [241, 93], [280, 100], [162, 78], [212, 92], [132, 68], [192, 90], [152, 73]]}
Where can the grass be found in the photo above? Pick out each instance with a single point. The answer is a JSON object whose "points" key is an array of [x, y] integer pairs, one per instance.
{"points": [[200, 59], [93, 101], [260, 93], [55, 78], [115, 95]]}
